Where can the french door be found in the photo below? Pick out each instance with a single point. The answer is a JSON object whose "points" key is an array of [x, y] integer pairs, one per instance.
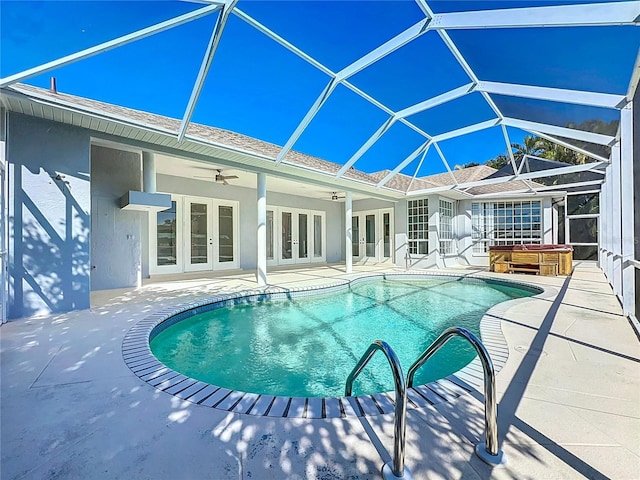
{"points": [[210, 233], [295, 227], [195, 234], [295, 236], [371, 238]]}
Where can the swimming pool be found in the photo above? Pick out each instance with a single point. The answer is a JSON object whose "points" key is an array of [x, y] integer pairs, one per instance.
{"points": [[306, 347]]}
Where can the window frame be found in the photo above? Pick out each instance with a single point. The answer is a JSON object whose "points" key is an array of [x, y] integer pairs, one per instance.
{"points": [[418, 230], [445, 226], [503, 223]]}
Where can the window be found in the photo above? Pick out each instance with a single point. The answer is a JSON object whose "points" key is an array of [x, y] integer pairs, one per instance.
{"points": [[505, 223], [446, 227], [418, 223]]}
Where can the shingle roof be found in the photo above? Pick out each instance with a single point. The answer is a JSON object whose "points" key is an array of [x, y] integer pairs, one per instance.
{"points": [[399, 182], [463, 175], [212, 134]]}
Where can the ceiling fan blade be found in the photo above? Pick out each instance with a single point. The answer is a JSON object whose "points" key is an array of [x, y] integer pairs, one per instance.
{"points": [[230, 177], [224, 181]]}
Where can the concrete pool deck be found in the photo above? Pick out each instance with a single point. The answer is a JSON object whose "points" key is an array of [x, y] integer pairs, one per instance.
{"points": [[568, 399]]}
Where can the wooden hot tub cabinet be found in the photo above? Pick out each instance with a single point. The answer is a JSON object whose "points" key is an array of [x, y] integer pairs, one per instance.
{"points": [[534, 258]]}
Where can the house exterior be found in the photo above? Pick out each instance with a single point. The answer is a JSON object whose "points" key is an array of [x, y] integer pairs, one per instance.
{"points": [[102, 197]]}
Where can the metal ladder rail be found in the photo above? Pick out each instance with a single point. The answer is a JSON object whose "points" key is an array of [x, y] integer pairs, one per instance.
{"points": [[397, 470], [489, 450]]}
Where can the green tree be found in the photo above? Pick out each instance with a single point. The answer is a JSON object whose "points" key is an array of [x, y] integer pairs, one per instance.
{"points": [[498, 162]]}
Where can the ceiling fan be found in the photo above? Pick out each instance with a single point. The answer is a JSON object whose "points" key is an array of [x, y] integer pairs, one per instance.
{"points": [[219, 177], [334, 196]]}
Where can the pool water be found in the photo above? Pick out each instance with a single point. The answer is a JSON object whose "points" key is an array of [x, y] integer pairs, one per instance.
{"points": [[306, 347]]}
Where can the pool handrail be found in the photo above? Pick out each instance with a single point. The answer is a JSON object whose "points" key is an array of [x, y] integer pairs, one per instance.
{"points": [[400, 419], [489, 450]]}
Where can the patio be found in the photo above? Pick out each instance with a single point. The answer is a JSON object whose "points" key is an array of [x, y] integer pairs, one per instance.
{"points": [[568, 398]]}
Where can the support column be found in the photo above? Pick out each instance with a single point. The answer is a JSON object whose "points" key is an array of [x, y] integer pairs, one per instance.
{"points": [[261, 268], [148, 172], [617, 225], [627, 205], [348, 213]]}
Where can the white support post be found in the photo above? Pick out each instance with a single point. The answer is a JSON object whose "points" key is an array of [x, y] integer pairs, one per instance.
{"points": [[261, 270], [611, 215], [616, 229], [627, 213], [148, 172], [348, 239]]}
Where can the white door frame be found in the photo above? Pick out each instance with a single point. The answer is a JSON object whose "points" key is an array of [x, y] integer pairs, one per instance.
{"points": [[378, 249], [183, 237], [278, 243], [177, 267]]}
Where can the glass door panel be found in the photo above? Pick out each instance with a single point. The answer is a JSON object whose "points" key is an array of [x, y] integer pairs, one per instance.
{"points": [[370, 238], [270, 246], [386, 235], [225, 234], [287, 236], [166, 237], [355, 236], [317, 237], [199, 232], [303, 236]]}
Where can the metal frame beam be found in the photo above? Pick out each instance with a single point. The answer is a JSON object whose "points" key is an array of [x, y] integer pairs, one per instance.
{"points": [[385, 49], [524, 176], [109, 45], [422, 148], [581, 135], [569, 146], [435, 101], [445, 163], [469, 129], [212, 47], [424, 155], [593, 99], [304, 123], [285, 43], [595, 14], [366, 145]]}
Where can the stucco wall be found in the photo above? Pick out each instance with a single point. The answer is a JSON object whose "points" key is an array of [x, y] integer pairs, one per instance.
{"points": [[49, 216], [116, 235]]}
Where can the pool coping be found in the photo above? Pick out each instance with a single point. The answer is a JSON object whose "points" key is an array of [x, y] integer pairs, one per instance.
{"points": [[138, 357]]}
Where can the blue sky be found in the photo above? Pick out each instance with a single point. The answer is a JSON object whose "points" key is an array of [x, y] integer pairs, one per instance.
{"points": [[259, 88]]}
